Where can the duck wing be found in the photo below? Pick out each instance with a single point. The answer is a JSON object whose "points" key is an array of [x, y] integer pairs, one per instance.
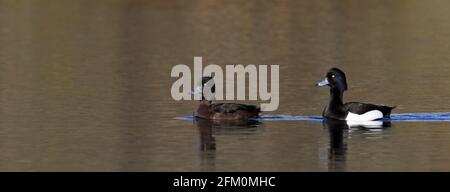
{"points": [[233, 107], [361, 108]]}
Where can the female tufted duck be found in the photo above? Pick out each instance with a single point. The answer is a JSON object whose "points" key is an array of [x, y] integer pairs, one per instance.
{"points": [[352, 111], [223, 111]]}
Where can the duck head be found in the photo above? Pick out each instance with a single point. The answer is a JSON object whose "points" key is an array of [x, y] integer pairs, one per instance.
{"points": [[207, 88], [335, 79]]}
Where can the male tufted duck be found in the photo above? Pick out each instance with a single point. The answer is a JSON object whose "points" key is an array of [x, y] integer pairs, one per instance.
{"points": [[352, 111]]}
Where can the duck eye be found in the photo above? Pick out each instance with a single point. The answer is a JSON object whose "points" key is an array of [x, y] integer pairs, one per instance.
{"points": [[333, 76]]}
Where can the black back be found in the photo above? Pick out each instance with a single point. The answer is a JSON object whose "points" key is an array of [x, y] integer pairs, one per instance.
{"points": [[361, 108]]}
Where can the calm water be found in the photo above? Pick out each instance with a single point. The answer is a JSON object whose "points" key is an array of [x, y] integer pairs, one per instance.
{"points": [[85, 85]]}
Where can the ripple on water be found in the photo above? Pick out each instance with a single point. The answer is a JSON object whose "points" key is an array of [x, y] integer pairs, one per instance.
{"points": [[407, 117]]}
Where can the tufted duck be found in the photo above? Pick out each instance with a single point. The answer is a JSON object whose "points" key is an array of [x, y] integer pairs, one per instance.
{"points": [[352, 111], [222, 111]]}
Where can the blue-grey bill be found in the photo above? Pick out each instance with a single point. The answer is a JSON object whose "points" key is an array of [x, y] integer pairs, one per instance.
{"points": [[323, 82], [197, 90]]}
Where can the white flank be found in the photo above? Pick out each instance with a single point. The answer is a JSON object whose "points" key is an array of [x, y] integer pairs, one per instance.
{"points": [[366, 124], [368, 116]]}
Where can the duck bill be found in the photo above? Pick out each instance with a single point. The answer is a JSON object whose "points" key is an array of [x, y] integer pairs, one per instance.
{"points": [[197, 90], [322, 83]]}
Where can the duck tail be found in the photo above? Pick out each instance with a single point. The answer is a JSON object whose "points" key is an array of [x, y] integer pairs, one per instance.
{"points": [[387, 110], [256, 111]]}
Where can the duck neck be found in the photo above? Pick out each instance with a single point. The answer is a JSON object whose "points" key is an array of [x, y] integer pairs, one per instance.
{"points": [[210, 99], [336, 97], [205, 102]]}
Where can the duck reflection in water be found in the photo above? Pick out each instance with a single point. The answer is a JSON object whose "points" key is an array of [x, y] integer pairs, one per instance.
{"points": [[338, 131], [208, 129]]}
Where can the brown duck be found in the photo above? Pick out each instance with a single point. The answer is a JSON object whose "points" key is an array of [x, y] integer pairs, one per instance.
{"points": [[224, 111]]}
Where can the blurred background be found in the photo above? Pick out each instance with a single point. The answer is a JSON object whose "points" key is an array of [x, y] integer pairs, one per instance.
{"points": [[85, 85]]}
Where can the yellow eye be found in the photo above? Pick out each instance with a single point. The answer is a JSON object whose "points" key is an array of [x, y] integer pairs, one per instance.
{"points": [[333, 76]]}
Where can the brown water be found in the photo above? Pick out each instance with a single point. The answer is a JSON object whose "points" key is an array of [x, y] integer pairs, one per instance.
{"points": [[85, 85]]}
